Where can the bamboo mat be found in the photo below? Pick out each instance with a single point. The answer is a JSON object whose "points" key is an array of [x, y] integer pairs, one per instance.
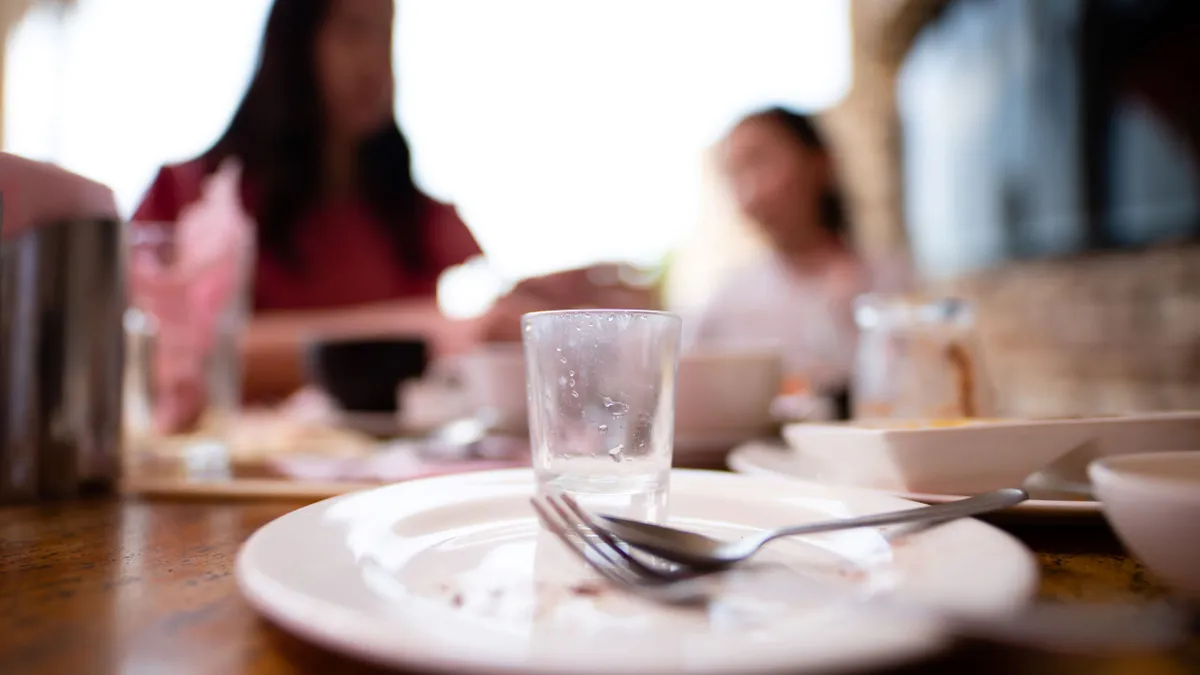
{"points": [[281, 489]]}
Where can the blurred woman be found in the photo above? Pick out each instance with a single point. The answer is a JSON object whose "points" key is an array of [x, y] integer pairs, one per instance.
{"points": [[346, 242], [801, 296]]}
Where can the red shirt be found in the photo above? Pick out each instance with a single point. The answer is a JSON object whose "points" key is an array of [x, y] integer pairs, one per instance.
{"points": [[345, 256]]}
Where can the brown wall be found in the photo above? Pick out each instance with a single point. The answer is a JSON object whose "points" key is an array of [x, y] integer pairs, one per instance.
{"points": [[863, 131], [1102, 333], [864, 127]]}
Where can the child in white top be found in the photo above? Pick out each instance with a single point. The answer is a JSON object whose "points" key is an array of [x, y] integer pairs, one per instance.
{"points": [[801, 297]]}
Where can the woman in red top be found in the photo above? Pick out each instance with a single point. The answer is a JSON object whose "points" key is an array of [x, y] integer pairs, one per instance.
{"points": [[346, 241]]}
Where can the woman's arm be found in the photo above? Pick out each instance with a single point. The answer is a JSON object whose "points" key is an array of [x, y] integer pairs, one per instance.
{"points": [[572, 289], [273, 346]]}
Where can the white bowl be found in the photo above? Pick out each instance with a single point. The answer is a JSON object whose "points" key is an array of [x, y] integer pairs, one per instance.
{"points": [[1153, 502], [727, 392], [494, 375], [911, 457]]}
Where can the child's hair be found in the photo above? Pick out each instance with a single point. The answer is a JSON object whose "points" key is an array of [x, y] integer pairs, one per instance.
{"points": [[804, 130]]}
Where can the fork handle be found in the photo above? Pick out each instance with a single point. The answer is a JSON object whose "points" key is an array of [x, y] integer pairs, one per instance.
{"points": [[963, 508]]}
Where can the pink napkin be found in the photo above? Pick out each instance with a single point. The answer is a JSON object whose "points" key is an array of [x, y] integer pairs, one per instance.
{"points": [[215, 235], [36, 192], [188, 298]]}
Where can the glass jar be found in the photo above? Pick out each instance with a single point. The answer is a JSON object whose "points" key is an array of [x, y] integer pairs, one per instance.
{"points": [[918, 359], [187, 309]]}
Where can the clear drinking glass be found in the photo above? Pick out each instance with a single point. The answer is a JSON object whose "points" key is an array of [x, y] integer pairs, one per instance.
{"points": [[918, 359], [188, 305], [601, 394]]}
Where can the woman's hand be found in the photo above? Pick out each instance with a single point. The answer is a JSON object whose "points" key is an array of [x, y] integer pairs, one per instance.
{"points": [[590, 287], [503, 322]]}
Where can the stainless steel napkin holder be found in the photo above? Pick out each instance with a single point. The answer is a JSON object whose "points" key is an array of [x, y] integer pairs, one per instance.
{"points": [[62, 350]]}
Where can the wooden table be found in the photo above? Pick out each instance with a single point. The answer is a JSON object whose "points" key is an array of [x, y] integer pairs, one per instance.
{"points": [[129, 586]]}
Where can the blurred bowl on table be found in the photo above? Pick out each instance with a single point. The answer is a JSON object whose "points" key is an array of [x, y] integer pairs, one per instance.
{"points": [[364, 374], [1153, 502], [494, 375], [723, 397]]}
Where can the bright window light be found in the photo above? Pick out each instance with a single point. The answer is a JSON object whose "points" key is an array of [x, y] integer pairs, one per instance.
{"points": [[566, 131]]}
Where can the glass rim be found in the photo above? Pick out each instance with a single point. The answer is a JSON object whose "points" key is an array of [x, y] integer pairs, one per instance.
{"points": [[896, 310], [912, 299], [601, 310]]}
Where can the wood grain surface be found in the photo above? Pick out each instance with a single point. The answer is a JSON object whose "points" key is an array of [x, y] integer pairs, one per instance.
{"points": [[146, 587]]}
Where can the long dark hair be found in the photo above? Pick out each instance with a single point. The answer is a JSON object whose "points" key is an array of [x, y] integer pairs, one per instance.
{"points": [[278, 134], [804, 131]]}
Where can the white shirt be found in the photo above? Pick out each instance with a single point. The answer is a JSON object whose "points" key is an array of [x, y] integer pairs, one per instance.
{"points": [[810, 318]]}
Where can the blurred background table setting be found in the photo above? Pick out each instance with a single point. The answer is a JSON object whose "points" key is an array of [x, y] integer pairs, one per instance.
{"points": [[378, 340]]}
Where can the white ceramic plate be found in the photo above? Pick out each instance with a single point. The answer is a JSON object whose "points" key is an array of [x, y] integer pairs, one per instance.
{"points": [[454, 574], [773, 459]]}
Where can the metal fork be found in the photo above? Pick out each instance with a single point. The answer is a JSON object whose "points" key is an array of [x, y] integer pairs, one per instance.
{"points": [[574, 527], [1091, 628]]}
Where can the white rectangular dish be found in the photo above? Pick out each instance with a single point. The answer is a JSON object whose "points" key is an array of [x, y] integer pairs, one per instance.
{"points": [[963, 459], [975, 456]]}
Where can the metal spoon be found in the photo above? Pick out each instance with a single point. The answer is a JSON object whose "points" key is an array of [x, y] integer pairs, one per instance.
{"points": [[697, 550]]}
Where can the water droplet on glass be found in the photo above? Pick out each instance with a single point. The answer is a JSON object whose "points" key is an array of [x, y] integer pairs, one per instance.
{"points": [[610, 317], [574, 393], [562, 359], [572, 382], [615, 408], [562, 380], [615, 453], [571, 373], [603, 427], [528, 329], [558, 349]]}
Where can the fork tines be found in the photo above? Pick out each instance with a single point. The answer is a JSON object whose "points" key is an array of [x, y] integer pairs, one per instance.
{"points": [[604, 553]]}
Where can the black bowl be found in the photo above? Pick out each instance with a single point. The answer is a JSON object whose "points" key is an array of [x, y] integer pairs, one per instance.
{"points": [[363, 375]]}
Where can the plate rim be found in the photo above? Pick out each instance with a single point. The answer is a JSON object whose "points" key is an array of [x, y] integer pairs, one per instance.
{"points": [[309, 618]]}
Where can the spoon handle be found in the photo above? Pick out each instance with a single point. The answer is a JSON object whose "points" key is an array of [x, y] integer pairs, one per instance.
{"points": [[984, 503]]}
